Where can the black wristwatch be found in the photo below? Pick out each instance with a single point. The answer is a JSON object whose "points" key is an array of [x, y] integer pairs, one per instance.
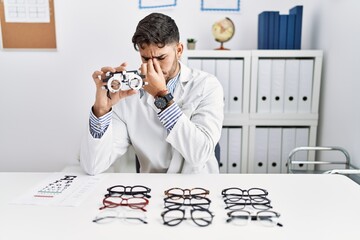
{"points": [[162, 102]]}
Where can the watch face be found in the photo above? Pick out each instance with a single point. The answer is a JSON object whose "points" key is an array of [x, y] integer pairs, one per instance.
{"points": [[160, 103]]}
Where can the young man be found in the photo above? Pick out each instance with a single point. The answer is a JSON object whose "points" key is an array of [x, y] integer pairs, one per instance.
{"points": [[173, 124]]}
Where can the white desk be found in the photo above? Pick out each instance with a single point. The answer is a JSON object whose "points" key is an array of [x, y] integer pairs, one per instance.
{"points": [[311, 207]]}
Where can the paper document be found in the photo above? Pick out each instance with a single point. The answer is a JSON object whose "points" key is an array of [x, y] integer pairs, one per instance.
{"points": [[29, 11], [60, 189]]}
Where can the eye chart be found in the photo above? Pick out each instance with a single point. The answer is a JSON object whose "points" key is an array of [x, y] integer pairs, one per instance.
{"points": [[60, 190]]}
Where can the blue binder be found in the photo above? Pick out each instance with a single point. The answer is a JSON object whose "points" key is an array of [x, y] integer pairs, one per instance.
{"points": [[290, 43], [273, 30], [283, 21], [298, 12], [263, 30]]}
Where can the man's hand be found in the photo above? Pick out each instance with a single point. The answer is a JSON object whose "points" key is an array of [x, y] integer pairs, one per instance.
{"points": [[154, 77], [103, 103]]}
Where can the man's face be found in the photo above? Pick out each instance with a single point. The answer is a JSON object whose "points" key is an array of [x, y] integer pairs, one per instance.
{"points": [[167, 57]]}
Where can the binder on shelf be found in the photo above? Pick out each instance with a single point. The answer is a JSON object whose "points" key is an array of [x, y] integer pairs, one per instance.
{"points": [[208, 65], [277, 85], [274, 150], [305, 85], [264, 86], [236, 85], [283, 21], [288, 144], [276, 29], [194, 63], [273, 30], [290, 41], [234, 148], [291, 85], [263, 30], [301, 140], [261, 150], [297, 11], [223, 74], [223, 142]]}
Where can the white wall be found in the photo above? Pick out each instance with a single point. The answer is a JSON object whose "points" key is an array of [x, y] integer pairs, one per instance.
{"points": [[339, 37], [46, 95]]}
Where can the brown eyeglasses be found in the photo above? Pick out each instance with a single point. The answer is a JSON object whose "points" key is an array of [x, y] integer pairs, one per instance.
{"points": [[186, 193], [132, 202]]}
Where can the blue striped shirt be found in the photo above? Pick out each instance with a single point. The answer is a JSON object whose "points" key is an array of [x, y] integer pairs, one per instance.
{"points": [[168, 117]]}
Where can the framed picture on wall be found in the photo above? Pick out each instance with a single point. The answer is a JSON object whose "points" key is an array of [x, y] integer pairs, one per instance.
{"points": [[146, 4], [220, 5]]}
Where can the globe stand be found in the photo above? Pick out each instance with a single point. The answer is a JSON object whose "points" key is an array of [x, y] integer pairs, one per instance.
{"points": [[222, 47]]}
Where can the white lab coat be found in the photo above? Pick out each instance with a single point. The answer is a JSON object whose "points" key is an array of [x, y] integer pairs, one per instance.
{"points": [[187, 148]]}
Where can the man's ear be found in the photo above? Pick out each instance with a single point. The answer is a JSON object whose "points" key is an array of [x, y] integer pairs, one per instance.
{"points": [[179, 50]]}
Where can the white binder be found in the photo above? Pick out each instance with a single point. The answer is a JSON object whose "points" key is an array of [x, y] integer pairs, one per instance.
{"points": [[223, 142], [261, 150], [291, 85], [264, 86], [305, 85], [274, 150], [277, 85], [194, 63], [208, 65], [236, 85], [288, 144], [301, 140], [223, 74], [234, 144]]}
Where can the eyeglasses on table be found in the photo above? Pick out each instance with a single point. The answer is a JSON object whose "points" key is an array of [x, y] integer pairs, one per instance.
{"points": [[174, 202], [136, 191], [132, 216], [261, 203], [243, 217], [200, 216], [187, 193], [237, 193], [131, 202]]}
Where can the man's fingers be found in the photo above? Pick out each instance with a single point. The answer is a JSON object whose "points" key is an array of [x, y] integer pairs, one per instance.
{"points": [[122, 67], [96, 75], [108, 69], [157, 66], [150, 66]]}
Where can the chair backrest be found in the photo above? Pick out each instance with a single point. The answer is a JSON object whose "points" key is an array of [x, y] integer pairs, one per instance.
{"points": [[315, 165], [217, 155]]}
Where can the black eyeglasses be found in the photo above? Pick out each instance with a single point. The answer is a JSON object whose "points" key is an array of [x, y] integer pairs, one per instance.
{"points": [[187, 193], [243, 217], [136, 191], [174, 202], [200, 216], [237, 193], [132, 202], [262, 203]]}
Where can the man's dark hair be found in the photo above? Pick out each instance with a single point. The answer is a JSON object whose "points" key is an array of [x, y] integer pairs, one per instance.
{"points": [[156, 28]]}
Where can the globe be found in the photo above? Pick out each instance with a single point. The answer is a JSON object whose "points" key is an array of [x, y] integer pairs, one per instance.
{"points": [[223, 30]]}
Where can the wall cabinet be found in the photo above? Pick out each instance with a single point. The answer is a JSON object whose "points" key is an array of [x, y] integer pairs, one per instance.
{"points": [[271, 105]]}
